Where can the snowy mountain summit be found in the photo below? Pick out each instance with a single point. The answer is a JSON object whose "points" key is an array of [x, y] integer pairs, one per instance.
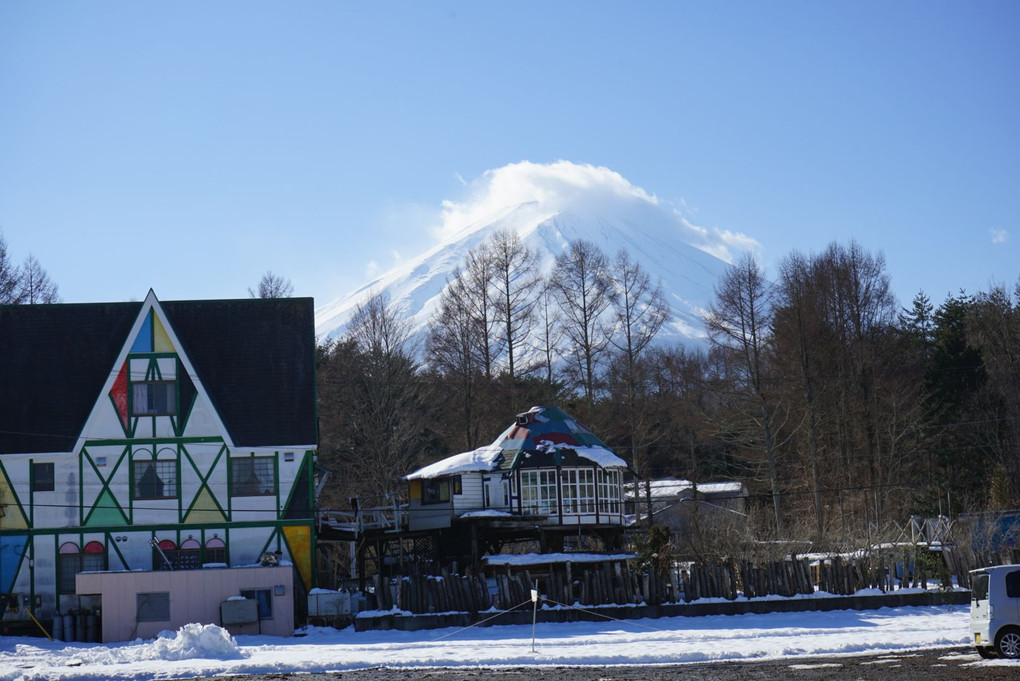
{"points": [[549, 206]]}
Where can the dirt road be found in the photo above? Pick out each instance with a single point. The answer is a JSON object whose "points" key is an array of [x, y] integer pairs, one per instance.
{"points": [[947, 664]]}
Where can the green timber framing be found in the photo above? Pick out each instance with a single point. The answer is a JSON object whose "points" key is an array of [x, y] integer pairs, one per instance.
{"points": [[220, 381], [276, 541]]}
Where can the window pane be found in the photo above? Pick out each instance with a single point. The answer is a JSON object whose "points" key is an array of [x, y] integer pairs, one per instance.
{"points": [[265, 601], [253, 476], [155, 479], [1013, 584], [42, 477], [153, 398], [70, 565], [215, 554], [152, 607]]}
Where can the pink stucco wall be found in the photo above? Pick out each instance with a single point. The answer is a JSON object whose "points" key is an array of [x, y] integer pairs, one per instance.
{"points": [[195, 596]]}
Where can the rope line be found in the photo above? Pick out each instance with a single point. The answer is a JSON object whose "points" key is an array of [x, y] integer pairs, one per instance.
{"points": [[547, 600], [600, 614], [480, 622]]}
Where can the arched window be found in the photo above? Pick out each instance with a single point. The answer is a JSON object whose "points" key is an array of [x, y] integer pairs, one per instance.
{"points": [[154, 478], [164, 555], [215, 551], [73, 560], [189, 557]]}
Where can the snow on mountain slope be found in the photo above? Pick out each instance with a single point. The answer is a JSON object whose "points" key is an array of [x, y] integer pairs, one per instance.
{"points": [[550, 205]]}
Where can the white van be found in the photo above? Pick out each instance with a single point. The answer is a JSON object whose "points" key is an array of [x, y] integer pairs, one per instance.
{"points": [[995, 610]]}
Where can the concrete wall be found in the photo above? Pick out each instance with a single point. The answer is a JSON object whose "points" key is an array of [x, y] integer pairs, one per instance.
{"points": [[195, 596]]}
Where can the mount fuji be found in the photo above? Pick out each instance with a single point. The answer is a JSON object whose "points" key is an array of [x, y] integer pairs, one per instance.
{"points": [[548, 206]]}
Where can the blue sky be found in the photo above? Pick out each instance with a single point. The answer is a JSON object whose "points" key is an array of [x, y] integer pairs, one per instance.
{"points": [[191, 146]]}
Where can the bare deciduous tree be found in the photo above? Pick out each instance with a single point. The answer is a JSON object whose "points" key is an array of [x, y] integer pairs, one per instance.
{"points": [[386, 418], [580, 283], [10, 276], [35, 286], [515, 285], [272, 286], [476, 296], [739, 319], [639, 310], [450, 350]]}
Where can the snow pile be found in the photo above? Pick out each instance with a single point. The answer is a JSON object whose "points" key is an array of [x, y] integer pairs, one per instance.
{"points": [[195, 641]]}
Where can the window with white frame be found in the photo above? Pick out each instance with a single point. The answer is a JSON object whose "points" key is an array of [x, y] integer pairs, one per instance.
{"points": [[252, 476], [610, 491], [578, 490], [538, 492], [153, 398], [155, 479], [72, 561]]}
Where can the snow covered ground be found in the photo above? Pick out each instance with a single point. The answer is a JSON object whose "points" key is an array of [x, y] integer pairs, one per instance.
{"points": [[207, 650]]}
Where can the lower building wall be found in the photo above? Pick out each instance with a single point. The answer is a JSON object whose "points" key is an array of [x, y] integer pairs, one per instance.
{"points": [[195, 596]]}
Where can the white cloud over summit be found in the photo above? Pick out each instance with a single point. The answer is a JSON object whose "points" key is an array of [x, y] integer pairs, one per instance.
{"points": [[582, 189]]}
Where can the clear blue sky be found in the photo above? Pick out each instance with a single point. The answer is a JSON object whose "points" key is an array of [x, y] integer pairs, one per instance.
{"points": [[191, 146]]}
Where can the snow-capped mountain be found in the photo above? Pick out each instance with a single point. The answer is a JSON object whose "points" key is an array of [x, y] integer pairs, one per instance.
{"points": [[549, 206]]}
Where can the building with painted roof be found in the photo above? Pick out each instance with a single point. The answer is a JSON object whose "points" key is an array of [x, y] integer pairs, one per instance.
{"points": [[155, 436], [547, 475]]}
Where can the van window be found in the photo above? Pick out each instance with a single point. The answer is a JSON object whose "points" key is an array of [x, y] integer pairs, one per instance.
{"points": [[1013, 584], [979, 587]]}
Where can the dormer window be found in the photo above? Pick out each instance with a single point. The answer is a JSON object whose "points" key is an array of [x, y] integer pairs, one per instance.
{"points": [[153, 398]]}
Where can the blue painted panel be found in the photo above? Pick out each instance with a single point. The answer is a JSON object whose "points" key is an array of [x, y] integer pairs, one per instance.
{"points": [[143, 341], [12, 548]]}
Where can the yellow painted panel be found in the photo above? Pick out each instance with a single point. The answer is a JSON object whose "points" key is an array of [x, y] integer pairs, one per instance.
{"points": [[161, 341], [299, 539], [204, 510], [12, 518]]}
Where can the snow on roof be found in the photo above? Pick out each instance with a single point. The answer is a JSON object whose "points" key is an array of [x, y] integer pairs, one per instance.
{"points": [[546, 558], [482, 459], [601, 456], [540, 429], [667, 488], [731, 487]]}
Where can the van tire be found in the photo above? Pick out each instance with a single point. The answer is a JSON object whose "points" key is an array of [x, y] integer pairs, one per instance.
{"points": [[1007, 642]]}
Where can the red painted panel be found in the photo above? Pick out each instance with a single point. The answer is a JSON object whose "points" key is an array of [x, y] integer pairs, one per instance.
{"points": [[119, 393]]}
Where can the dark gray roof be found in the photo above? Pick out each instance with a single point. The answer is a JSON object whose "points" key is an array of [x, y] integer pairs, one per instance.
{"points": [[255, 357]]}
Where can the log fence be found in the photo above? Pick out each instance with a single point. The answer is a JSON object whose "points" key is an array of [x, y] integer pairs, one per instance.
{"points": [[619, 583]]}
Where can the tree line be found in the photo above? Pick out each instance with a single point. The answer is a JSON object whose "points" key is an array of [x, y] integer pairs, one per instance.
{"points": [[843, 413], [26, 284]]}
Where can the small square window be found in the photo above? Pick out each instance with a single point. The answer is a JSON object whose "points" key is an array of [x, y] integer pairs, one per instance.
{"points": [[42, 477], [153, 398], [253, 476], [264, 597], [435, 491], [152, 607], [155, 479]]}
